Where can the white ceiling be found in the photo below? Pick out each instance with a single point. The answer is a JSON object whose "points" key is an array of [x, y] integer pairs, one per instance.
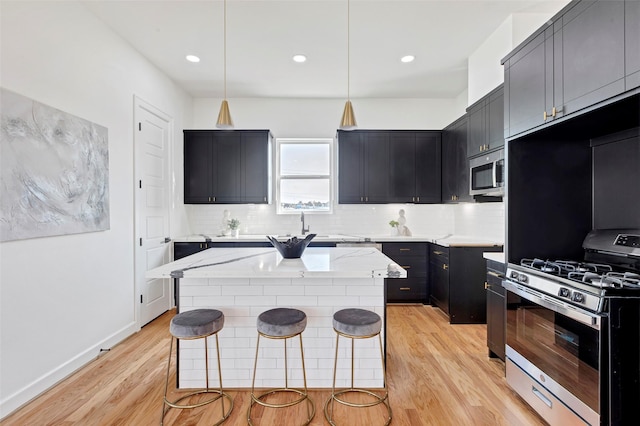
{"points": [[263, 35]]}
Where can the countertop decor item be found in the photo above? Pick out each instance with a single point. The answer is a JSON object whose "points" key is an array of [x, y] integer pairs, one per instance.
{"points": [[293, 247]]}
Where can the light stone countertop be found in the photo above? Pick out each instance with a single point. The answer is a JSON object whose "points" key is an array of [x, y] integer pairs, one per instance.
{"points": [[266, 262], [443, 240], [495, 256]]}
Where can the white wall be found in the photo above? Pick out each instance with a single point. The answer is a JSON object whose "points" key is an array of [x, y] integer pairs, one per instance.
{"points": [[63, 298], [485, 70]]}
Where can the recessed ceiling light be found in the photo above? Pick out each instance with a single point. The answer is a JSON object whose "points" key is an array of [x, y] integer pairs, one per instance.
{"points": [[193, 58], [408, 58], [299, 58]]}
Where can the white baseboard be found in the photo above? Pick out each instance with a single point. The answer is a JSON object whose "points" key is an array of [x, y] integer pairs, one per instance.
{"points": [[32, 390]]}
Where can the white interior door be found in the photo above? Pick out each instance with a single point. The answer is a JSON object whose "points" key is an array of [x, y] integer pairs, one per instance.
{"points": [[152, 201]]}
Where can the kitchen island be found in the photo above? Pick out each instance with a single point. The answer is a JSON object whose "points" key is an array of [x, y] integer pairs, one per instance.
{"points": [[243, 282]]}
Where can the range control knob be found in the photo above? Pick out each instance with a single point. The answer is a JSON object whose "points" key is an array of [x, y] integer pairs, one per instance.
{"points": [[514, 274], [523, 278], [578, 297], [565, 292]]}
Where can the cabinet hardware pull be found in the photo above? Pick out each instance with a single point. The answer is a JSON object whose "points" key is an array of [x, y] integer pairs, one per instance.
{"points": [[495, 274], [406, 267], [366, 199], [540, 396], [418, 198], [555, 111], [413, 199], [405, 249], [544, 116], [438, 252], [405, 288], [361, 199], [445, 267], [486, 285]]}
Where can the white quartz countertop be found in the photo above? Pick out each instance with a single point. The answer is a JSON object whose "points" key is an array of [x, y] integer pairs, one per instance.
{"points": [[444, 240], [495, 256], [464, 241], [266, 262]]}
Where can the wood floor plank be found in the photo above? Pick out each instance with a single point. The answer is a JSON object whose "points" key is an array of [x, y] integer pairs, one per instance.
{"points": [[438, 373]]}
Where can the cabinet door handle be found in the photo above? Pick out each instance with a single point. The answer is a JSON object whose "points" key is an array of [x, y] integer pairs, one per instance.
{"points": [[555, 111], [495, 274], [486, 285], [366, 199], [544, 116], [418, 199], [445, 267], [405, 249], [361, 199], [406, 267], [405, 288], [438, 253]]}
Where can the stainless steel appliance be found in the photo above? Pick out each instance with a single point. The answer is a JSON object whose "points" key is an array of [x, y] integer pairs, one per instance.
{"points": [[573, 332], [486, 174]]}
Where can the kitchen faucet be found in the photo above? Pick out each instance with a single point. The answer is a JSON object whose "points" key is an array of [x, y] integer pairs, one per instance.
{"points": [[304, 230]]}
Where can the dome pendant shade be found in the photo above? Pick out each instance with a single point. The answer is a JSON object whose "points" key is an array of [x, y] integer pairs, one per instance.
{"points": [[348, 121], [224, 117]]}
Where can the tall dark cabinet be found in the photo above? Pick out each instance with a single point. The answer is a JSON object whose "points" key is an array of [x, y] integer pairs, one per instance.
{"points": [[496, 312], [226, 166], [455, 166]]}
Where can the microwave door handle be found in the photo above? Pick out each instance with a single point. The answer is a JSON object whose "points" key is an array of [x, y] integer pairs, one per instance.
{"points": [[495, 174]]}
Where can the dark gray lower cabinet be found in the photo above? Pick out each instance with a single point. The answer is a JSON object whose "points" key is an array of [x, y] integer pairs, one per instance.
{"points": [[495, 309], [413, 258], [457, 277]]}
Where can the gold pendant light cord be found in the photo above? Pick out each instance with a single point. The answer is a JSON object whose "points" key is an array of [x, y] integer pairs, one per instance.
{"points": [[225, 49], [348, 50]]}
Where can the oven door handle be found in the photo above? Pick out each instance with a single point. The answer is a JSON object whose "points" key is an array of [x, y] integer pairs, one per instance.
{"points": [[584, 317]]}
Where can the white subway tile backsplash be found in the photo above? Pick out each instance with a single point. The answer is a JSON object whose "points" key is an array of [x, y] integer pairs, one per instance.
{"points": [[478, 220]]}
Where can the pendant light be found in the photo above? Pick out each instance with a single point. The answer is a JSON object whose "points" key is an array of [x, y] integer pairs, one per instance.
{"points": [[348, 121], [224, 116]]}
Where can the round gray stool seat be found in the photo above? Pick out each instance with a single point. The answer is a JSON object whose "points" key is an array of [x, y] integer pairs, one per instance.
{"points": [[357, 322], [196, 323], [280, 322]]}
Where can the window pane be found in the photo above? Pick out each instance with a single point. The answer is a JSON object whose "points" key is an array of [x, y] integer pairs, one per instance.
{"points": [[304, 159], [304, 194]]}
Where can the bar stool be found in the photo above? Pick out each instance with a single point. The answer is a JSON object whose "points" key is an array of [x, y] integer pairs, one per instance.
{"points": [[282, 323], [356, 323], [190, 325]]}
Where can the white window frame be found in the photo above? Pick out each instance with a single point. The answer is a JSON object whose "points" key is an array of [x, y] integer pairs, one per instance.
{"points": [[330, 176]]}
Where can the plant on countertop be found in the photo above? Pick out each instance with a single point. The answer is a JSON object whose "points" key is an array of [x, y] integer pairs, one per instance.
{"points": [[233, 224], [394, 223]]}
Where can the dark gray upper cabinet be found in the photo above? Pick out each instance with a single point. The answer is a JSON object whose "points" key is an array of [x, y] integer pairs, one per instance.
{"points": [[380, 166], [363, 167], [575, 61], [486, 123], [226, 166], [632, 43], [455, 165], [428, 166]]}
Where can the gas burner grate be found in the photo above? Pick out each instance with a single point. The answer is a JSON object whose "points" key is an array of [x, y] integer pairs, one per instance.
{"points": [[565, 267], [608, 279]]}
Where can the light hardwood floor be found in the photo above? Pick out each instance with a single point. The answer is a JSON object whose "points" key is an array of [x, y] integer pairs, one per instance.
{"points": [[439, 374]]}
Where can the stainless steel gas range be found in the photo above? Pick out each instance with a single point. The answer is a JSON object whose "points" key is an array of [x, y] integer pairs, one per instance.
{"points": [[573, 332]]}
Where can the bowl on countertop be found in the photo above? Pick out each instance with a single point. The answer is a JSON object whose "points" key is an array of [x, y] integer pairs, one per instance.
{"points": [[293, 247]]}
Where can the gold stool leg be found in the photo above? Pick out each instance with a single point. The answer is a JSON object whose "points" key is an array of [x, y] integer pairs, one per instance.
{"points": [[303, 395], [220, 394], [336, 396]]}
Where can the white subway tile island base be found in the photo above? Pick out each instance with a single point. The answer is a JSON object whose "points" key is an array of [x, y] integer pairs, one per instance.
{"points": [[243, 282]]}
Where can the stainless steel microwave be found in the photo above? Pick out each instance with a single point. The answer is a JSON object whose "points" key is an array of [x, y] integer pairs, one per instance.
{"points": [[486, 174]]}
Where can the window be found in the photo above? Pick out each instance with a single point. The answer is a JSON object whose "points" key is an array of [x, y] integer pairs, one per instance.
{"points": [[304, 175]]}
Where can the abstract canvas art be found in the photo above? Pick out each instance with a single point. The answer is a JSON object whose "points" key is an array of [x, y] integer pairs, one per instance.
{"points": [[54, 171]]}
